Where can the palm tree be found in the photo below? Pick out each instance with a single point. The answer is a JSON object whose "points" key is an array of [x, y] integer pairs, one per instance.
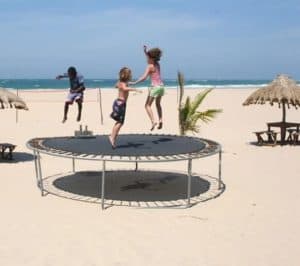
{"points": [[188, 114]]}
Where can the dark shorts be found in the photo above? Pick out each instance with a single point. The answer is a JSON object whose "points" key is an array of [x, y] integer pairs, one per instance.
{"points": [[119, 110]]}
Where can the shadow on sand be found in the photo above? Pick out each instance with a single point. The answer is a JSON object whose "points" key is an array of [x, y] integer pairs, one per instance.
{"points": [[278, 144], [18, 157]]}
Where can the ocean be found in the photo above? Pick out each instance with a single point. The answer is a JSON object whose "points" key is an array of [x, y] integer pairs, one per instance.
{"points": [[41, 84]]}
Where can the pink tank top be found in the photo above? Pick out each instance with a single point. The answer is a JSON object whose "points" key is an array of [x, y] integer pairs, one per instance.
{"points": [[155, 77]]}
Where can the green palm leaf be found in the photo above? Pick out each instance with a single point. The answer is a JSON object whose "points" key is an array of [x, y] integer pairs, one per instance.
{"points": [[207, 115], [198, 100], [188, 115]]}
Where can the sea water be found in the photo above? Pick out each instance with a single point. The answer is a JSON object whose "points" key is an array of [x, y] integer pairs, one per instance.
{"points": [[41, 84]]}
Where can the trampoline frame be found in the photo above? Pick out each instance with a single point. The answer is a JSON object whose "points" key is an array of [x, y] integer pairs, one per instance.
{"points": [[211, 148]]}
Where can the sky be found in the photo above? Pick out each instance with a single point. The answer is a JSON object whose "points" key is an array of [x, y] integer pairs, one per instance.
{"points": [[230, 39]]}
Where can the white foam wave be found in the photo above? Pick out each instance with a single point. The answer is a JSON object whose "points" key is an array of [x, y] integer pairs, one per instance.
{"points": [[200, 86], [241, 86], [192, 86], [195, 86]]}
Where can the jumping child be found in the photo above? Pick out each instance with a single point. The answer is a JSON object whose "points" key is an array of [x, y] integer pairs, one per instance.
{"points": [[156, 91], [119, 105], [75, 93]]}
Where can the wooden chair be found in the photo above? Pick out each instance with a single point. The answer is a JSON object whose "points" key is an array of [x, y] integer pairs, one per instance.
{"points": [[271, 137], [296, 135], [293, 136], [6, 150]]}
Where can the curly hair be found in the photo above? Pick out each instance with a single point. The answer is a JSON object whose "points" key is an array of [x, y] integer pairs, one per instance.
{"points": [[125, 74], [155, 54]]}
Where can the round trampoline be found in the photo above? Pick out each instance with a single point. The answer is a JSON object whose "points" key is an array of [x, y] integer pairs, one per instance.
{"points": [[134, 148]]}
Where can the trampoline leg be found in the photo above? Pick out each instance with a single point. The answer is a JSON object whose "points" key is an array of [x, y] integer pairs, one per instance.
{"points": [[188, 204], [40, 173], [220, 169], [103, 185], [36, 169], [73, 165]]}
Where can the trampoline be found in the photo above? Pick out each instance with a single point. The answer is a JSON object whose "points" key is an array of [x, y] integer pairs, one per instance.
{"points": [[133, 148]]}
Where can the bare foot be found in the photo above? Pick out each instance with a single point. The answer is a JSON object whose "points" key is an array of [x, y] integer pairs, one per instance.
{"points": [[160, 125], [112, 143], [153, 126], [64, 120]]}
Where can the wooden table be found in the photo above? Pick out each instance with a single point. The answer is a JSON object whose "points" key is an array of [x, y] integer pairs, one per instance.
{"points": [[283, 128]]}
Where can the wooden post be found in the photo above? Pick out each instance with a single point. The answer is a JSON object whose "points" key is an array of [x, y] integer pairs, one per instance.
{"points": [[283, 112], [177, 94], [17, 112], [100, 106]]}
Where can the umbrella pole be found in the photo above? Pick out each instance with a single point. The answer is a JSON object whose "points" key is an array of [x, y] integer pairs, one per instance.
{"points": [[17, 114], [100, 105], [283, 112], [282, 129]]}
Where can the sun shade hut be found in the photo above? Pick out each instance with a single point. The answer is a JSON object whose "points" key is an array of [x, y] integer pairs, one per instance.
{"points": [[283, 90], [10, 100]]}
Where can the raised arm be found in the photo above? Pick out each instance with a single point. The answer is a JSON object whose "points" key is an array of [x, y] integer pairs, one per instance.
{"points": [[65, 75], [124, 87], [144, 76], [145, 49]]}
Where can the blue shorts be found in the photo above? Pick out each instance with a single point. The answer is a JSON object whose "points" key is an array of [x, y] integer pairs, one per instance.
{"points": [[118, 111]]}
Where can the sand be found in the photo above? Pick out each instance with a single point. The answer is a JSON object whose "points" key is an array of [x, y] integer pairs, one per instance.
{"points": [[255, 221]]}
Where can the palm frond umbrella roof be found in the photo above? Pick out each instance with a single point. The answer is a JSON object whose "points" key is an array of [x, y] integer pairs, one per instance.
{"points": [[9, 99], [282, 90]]}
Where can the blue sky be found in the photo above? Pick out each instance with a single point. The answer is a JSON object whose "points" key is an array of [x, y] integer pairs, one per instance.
{"points": [[247, 39]]}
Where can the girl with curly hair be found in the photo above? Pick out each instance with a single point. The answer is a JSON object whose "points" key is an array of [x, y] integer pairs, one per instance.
{"points": [[156, 90]]}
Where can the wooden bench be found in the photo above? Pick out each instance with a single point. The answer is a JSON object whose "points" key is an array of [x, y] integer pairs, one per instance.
{"points": [[296, 137], [270, 134], [6, 150], [293, 136]]}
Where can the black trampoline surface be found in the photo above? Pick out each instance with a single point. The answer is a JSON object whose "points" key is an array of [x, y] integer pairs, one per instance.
{"points": [[135, 145]]}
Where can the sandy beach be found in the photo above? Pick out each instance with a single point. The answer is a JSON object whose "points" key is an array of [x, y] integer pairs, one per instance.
{"points": [[254, 221]]}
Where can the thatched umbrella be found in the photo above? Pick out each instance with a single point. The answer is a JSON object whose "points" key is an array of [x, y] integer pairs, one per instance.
{"points": [[9, 99], [282, 90]]}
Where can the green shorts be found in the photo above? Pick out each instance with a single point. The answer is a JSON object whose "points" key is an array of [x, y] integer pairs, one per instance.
{"points": [[156, 91]]}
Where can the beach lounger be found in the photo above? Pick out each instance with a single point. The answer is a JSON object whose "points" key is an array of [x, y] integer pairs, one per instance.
{"points": [[6, 150], [271, 137]]}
